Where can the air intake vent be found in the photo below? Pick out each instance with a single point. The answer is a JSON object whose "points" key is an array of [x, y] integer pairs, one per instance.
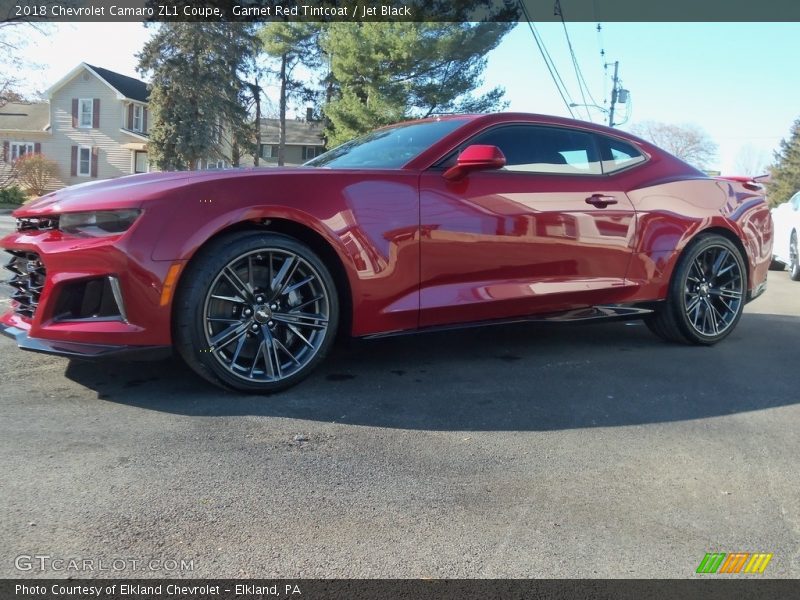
{"points": [[27, 280]]}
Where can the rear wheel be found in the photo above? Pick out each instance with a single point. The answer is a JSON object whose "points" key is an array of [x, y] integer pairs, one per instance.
{"points": [[706, 295], [257, 312], [794, 259]]}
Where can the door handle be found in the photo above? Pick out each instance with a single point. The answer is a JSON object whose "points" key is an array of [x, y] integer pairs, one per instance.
{"points": [[601, 200]]}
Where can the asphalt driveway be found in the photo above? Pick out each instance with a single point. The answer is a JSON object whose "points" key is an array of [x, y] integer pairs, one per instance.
{"points": [[518, 451]]}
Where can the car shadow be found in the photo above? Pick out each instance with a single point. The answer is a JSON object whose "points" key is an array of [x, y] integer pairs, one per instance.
{"points": [[514, 377]]}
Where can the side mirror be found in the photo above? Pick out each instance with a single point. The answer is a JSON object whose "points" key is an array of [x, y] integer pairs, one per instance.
{"points": [[475, 158]]}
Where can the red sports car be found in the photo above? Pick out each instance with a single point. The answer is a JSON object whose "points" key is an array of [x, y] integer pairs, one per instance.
{"points": [[249, 274]]}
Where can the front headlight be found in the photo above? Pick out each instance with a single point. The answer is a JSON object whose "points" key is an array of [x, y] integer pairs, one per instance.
{"points": [[98, 223]]}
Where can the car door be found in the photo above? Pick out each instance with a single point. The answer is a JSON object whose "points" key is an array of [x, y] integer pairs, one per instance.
{"points": [[547, 232]]}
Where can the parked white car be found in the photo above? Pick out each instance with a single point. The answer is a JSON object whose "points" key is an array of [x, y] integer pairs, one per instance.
{"points": [[786, 217]]}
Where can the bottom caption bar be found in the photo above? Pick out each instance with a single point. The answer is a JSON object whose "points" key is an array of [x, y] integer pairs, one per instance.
{"points": [[400, 589]]}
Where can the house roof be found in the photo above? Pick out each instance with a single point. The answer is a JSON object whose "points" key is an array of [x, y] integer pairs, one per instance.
{"points": [[298, 133], [130, 87], [124, 86], [25, 116]]}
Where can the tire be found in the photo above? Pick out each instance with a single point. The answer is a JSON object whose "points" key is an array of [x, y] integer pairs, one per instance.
{"points": [[706, 294], [255, 312], [794, 259], [776, 265]]}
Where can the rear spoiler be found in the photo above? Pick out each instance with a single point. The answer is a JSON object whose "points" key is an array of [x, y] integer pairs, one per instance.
{"points": [[753, 184]]}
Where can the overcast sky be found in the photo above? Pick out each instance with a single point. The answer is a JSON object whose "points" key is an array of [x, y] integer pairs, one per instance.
{"points": [[737, 81]]}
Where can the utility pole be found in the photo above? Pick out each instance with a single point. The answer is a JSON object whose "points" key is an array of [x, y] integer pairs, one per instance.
{"points": [[613, 94]]}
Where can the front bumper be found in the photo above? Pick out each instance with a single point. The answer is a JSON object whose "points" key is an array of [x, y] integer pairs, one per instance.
{"points": [[89, 297], [83, 351]]}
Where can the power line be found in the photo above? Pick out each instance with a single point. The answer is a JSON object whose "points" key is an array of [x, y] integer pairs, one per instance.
{"points": [[578, 73], [548, 61]]}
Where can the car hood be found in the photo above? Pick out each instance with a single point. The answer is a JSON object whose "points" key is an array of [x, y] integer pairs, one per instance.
{"points": [[133, 191], [109, 194]]}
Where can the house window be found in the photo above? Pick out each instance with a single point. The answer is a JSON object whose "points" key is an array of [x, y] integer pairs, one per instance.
{"points": [[84, 161], [85, 112], [20, 149], [140, 162], [215, 164], [138, 117], [310, 152], [269, 151]]}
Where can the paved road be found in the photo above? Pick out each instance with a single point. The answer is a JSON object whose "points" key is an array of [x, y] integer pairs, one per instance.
{"points": [[592, 451]]}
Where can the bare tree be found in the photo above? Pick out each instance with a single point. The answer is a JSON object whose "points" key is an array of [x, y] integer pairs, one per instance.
{"points": [[752, 161], [14, 38], [688, 142]]}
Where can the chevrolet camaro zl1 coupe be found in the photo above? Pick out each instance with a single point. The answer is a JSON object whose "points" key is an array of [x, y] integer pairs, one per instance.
{"points": [[249, 274]]}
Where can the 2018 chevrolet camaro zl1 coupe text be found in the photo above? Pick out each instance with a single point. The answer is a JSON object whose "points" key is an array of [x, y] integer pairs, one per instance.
{"points": [[249, 274]]}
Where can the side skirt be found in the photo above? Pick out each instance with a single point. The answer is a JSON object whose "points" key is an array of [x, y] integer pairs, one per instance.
{"points": [[592, 313]]}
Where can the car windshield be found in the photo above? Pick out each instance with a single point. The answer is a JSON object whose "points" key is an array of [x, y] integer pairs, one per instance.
{"points": [[387, 148]]}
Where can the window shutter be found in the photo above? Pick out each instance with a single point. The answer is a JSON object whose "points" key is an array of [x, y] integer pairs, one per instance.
{"points": [[75, 112], [95, 113], [37, 148], [130, 115], [73, 169], [5, 151], [94, 161], [144, 120]]}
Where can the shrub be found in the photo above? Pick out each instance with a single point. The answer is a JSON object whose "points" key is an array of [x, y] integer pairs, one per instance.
{"points": [[35, 172], [12, 195]]}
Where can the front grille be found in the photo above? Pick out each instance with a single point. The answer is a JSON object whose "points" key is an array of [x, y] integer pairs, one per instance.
{"points": [[27, 281], [37, 223]]}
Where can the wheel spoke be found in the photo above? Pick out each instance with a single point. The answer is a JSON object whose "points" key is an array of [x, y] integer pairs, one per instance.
{"points": [[228, 335], [698, 267], [302, 319], [270, 352], [298, 285], [712, 313], [306, 303], [234, 299], [287, 351], [296, 331], [239, 285], [693, 304], [250, 273], [709, 318], [283, 276], [715, 269], [238, 351], [725, 293]]}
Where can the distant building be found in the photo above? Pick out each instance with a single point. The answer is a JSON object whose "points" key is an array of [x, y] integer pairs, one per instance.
{"points": [[303, 141], [95, 126]]}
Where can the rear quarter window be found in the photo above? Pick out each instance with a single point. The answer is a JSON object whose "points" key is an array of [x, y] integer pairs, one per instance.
{"points": [[618, 155]]}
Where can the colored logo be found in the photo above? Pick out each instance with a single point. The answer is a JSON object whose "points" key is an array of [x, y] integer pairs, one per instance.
{"points": [[735, 562]]}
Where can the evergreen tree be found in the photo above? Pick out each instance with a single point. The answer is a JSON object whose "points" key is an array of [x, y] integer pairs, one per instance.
{"points": [[785, 173], [196, 96], [292, 44], [386, 72]]}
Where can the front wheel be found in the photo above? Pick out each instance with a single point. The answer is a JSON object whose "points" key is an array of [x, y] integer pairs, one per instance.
{"points": [[794, 259], [706, 294], [256, 312]]}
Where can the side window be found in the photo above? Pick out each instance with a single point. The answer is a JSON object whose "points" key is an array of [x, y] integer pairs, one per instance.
{"points": [[536, 149], [618, 155], [796, 201]]}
